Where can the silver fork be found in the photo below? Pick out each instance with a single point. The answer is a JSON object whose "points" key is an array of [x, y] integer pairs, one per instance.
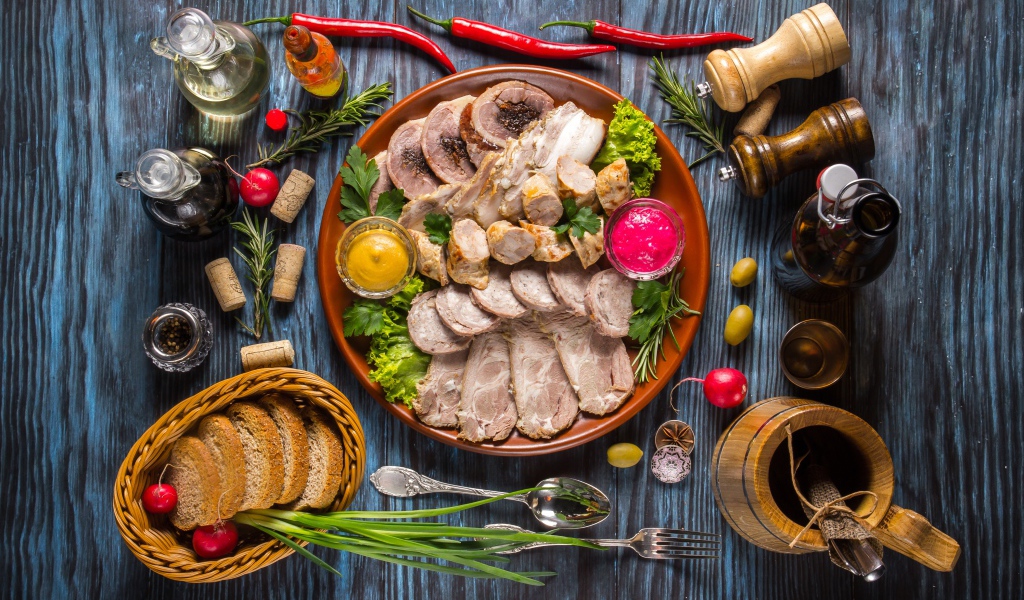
{"points": [[650, 542]]}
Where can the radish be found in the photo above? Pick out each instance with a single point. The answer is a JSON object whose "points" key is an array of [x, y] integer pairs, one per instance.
{"points": [[160, 497], [215, 541], [259, 186], [725, 387]]}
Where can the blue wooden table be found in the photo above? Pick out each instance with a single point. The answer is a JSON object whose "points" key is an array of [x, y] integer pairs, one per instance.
{"points": [[937, 354]]}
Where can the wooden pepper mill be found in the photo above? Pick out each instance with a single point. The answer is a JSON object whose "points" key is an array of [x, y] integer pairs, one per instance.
{"points": [[807, 45], [837, 133]]}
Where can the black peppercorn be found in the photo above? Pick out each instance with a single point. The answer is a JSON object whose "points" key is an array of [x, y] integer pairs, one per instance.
{"points": [[174, 336]]}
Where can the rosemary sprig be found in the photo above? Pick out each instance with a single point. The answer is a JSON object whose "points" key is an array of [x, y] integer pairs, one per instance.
{"points": [[688, 109], [259, 242], [316, 126]]}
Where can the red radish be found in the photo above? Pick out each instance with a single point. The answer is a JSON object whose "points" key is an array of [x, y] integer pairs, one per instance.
{"points": [[215, 541], [160, 498], [725, 387], [277, 119], [259, 186]]}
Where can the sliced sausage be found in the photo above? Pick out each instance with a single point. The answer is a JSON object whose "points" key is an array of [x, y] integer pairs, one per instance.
{"points": [[509, 244], [468, 254], [568, 281], [541, 203], [530, 286], [430, 260], [407, 166], [613, 186], [497, 297], [609, 302], [428, 331], [461, 315], [443, 146], [551, 247], [577, 180]]}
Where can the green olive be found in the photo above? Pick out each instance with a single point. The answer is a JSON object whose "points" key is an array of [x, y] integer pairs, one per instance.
{"points": [[624, 455], [737, 328], [743, 272]]}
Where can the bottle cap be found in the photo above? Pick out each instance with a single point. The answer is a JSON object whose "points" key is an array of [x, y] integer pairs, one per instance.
{"points": [[833, 179], [191, 33]]}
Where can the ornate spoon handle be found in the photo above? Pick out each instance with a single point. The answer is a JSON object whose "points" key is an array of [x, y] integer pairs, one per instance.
{"points": [[405, 483], [532, 545]]}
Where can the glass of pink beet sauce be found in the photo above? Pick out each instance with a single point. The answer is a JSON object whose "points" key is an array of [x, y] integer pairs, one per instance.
{"points": [[644, 238]]}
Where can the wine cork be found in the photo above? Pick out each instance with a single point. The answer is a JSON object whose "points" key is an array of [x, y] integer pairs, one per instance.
{"points": [[287, 272], [270, 354], [292, 196], [755, 118], [225, 285]]}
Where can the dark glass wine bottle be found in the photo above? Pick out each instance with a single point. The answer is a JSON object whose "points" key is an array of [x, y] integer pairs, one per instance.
{"points": [[844, 236]]}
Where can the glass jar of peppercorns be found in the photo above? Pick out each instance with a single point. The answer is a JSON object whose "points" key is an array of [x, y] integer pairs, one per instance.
{"points": [[177, 337]]}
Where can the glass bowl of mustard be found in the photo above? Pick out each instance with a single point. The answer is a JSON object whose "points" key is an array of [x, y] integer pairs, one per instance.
{"points": [[375, 257]]}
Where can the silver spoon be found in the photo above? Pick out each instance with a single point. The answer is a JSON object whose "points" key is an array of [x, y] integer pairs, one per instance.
{"points": [[564, 502]]}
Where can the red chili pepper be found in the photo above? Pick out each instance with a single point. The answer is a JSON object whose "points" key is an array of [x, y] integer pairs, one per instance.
{"points": [[513, 40], [354, 28], [643, 39]]}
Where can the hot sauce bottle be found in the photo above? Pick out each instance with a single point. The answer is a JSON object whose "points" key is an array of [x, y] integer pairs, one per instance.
{"points": [[312, 60]]}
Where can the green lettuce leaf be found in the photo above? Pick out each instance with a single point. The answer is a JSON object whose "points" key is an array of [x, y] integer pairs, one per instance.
{"points": [[397, 364], [631, 137]]}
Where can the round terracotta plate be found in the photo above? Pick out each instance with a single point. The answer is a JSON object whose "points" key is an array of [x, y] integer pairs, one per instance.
{"points": [[672, 185]]}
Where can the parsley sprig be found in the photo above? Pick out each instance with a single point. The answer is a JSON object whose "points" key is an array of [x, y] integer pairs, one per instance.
{"points": [[359, 175], [439, 227], [656, 304], [577, 220]]}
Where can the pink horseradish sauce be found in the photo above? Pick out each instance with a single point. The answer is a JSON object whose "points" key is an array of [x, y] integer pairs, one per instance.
{"points": [[645, 238]]}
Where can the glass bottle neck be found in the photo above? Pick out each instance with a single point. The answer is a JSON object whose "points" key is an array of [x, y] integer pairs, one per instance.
{"points": [[160, 174], [194, 37], [873, 213]]}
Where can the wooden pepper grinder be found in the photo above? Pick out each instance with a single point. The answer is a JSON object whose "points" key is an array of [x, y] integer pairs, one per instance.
{"points": [[807, 45], [837, 133]]}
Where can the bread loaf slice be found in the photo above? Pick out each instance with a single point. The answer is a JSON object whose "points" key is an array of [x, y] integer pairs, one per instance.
{"points": [[194, 476], [326, 460], [264, 454], [225, 445], [285, 413]]}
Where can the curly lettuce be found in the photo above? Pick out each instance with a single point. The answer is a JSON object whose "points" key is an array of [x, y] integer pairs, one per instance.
{"points": [[631, 137]]}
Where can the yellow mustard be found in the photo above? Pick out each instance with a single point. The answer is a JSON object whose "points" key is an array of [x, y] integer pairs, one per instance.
{"points": [[377, 260]]}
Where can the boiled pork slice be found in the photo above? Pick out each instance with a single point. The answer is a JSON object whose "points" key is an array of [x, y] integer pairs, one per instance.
{"points": [[609, 302], [590, 249], [417, 209], [509, 244], [567, 131], [541, 203], [461, 315], [461, 204], [437, 394], [504, 110], [497, 297], [443, 146], [475, 144], [551, 246], [545, 399], [407, 166], [598, 366], [487, 409], [613, 185], [577, 180], [383, 183], [428, 332], [530, 286], [468, 254], [568, 280], [430, 257]]}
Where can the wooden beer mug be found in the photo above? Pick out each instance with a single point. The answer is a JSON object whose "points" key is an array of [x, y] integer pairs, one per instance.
{"points": [[750, 477]]}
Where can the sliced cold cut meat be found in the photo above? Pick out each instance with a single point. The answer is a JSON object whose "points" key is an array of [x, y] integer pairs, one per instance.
{"points": [[497, 297], [509, 244], [541, 203], [613, 186], [577, 180], [468, 254], [417, 209], [430, 260], [461, 204], [609, 302], [487, 410], [461, 315], [428, 331], [551, 246], [383, 183], [407, 166], [545, 399], [590, 249], [504, 110], [530, 285], [443, 146], [598, 366], [437, 394], [475, 144], [568, 280]]}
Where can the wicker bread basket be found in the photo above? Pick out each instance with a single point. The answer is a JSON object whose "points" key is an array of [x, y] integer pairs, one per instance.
{"points": [[152, 538]]}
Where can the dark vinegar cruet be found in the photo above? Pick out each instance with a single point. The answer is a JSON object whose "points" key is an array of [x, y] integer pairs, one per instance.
{"points": [[844, 236], [188, 193]]}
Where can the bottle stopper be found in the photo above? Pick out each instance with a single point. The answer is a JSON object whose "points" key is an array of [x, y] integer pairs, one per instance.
{"points": [[225, 284], [270, 354], [287, 272], [807, 45], [757, 115], [292, 196]]}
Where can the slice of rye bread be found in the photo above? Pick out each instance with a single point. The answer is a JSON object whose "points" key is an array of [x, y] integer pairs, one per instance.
{"points": [[194, 476], [225, 445], [326, 460], [264, 454], [285, 413]]}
